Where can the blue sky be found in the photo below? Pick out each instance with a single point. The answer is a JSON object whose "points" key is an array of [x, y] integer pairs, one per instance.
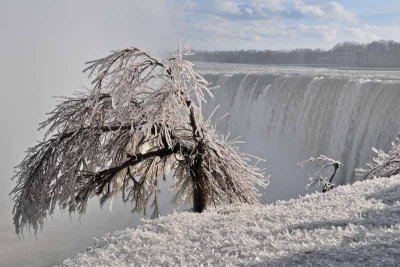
{"points": [[285, 24]]}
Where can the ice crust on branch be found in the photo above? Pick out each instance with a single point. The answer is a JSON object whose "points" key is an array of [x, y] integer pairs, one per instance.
{"points": [[384, 164], [320, 163], [140, 121]]}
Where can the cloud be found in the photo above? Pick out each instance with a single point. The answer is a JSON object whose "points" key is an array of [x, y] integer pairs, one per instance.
{"points": [[339, 11], [226, 6], [308, 10], [258, 30], [272, 6], [248, 11], [367, 32], [189, 5], [265, 9], [219, 24], [227, 29], [327, 32], [331, 10]]}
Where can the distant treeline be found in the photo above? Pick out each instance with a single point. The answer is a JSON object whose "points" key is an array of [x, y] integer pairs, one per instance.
{"points": [[377, 54]]}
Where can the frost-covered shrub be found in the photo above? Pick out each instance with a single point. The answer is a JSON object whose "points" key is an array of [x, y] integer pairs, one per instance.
{"points": [[320, 163], [140, 121], [384, 164]]}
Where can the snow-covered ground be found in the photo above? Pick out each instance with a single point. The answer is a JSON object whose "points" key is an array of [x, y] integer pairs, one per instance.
{"points": [[353, 225]]}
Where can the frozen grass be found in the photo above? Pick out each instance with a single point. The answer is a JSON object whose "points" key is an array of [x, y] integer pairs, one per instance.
{"points": [[353, 225]]}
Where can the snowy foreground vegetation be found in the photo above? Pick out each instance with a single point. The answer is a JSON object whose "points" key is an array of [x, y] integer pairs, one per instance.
{"points": [[352, 225]]}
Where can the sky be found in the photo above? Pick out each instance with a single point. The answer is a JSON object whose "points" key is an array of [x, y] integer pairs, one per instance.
{"points": [[286, 24]]}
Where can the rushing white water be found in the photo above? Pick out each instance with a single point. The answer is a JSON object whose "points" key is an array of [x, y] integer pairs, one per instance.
{"points": [[289, 114]]}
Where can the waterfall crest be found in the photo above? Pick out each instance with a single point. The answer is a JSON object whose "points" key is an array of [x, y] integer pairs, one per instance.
{"points": [[287, 118]]}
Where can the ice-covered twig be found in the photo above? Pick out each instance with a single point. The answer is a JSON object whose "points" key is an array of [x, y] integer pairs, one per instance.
{"points": [[384, 164], [320, 163]]}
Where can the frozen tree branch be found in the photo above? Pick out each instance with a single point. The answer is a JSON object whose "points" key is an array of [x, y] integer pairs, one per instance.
{"points": [[320, 163], [140, 121], [384, 164]]}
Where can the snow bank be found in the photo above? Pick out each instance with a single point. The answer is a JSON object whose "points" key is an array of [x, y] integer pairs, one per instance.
{"points": [[353, 225]]}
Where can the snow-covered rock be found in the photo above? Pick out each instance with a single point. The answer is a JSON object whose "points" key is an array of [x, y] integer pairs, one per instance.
{"points": [[352, 225]]}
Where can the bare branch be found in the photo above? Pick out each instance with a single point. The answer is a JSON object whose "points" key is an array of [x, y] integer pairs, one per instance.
{"points": [[320, 163], [385, 164]]}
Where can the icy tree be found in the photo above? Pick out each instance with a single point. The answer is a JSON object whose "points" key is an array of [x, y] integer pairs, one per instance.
{"points": [[140, 121], [321, 163], [384, 164]]}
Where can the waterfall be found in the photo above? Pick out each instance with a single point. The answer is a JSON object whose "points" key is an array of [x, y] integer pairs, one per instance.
{"points": [[289, 116]]}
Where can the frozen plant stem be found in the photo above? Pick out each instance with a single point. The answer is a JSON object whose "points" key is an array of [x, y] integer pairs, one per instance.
{"points": [[384, 164], [320, 163]]}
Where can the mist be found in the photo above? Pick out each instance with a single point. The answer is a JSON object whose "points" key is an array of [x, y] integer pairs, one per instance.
{"points": [[43, 50]]}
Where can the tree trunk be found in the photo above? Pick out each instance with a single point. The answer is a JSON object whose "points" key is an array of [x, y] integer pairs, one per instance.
{"points": [[336, 166], [199, 196], [330, 186], [196, 173]]}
